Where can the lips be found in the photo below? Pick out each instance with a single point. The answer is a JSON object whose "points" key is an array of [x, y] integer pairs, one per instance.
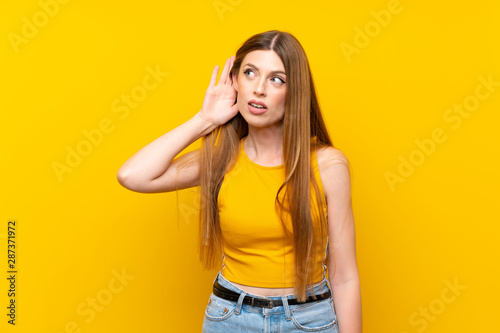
{"points": [[258, 102]]}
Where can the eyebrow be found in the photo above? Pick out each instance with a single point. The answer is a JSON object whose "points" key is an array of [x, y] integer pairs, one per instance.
{"points": [[273, 72]]}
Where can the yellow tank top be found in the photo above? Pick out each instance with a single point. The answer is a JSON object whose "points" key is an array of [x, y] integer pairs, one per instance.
{"points": [[256, 253]]}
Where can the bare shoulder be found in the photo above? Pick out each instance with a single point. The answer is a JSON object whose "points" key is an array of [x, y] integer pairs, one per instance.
{"points": [[334, 170], [328, 156]]}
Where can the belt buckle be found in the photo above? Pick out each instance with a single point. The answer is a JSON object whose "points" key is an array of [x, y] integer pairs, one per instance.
{"points": [[270, 305]]}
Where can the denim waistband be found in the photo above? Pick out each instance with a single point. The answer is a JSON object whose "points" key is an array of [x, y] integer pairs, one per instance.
{"points": [[319, 288]]}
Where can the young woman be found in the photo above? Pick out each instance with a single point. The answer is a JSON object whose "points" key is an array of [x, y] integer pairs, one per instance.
{"points": [[275, 195]]}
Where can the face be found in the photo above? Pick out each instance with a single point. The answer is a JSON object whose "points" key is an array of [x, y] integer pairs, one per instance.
{"points": [[261, 79]]}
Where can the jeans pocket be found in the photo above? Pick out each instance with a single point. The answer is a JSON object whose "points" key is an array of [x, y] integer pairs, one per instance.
{"points": [[314, 316], [219, 309]]}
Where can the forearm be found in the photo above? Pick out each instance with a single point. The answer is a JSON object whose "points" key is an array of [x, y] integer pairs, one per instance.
{"points": [[153, 160], [347, 300]]}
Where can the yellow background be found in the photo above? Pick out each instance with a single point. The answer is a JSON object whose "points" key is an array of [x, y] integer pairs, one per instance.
{"points": [[77, 231]]}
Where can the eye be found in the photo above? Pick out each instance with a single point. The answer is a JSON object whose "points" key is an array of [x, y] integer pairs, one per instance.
{"points": [[280, 79], [248, 70]]}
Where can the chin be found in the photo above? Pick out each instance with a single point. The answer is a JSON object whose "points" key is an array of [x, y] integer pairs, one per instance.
{"points": [[259, 121]]}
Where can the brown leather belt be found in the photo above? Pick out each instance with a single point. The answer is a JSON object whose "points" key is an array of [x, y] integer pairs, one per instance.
{"points": [[262, 302]]}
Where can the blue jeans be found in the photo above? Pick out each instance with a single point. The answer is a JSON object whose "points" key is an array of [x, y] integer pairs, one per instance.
{"points": [[222, 315]]}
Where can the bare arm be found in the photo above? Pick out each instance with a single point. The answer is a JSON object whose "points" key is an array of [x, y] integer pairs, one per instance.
{"points": [[151, 169], [343, 269], [154, 168]]}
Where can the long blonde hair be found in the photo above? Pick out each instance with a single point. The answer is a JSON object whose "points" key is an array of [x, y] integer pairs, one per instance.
{"points": [[302, 122]]}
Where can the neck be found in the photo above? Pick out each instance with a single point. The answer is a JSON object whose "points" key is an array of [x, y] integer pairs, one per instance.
{"points": [[265, 145]]}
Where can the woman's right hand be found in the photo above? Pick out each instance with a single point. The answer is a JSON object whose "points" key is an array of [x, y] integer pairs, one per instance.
{"points": [[153, 168], [218, 106]]}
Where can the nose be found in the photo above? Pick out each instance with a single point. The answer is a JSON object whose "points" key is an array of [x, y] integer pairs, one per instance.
{"points": [[260, 86]]}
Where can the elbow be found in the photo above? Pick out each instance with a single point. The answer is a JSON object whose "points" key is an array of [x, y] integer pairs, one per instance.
{"points": [[346, 275], [121, 178], [133, 183], [343, 279], [125, 180]]}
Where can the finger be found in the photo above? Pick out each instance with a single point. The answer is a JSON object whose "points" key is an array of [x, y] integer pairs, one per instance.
{"points": [[214, 76], [230, 68], [223, 76]]}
